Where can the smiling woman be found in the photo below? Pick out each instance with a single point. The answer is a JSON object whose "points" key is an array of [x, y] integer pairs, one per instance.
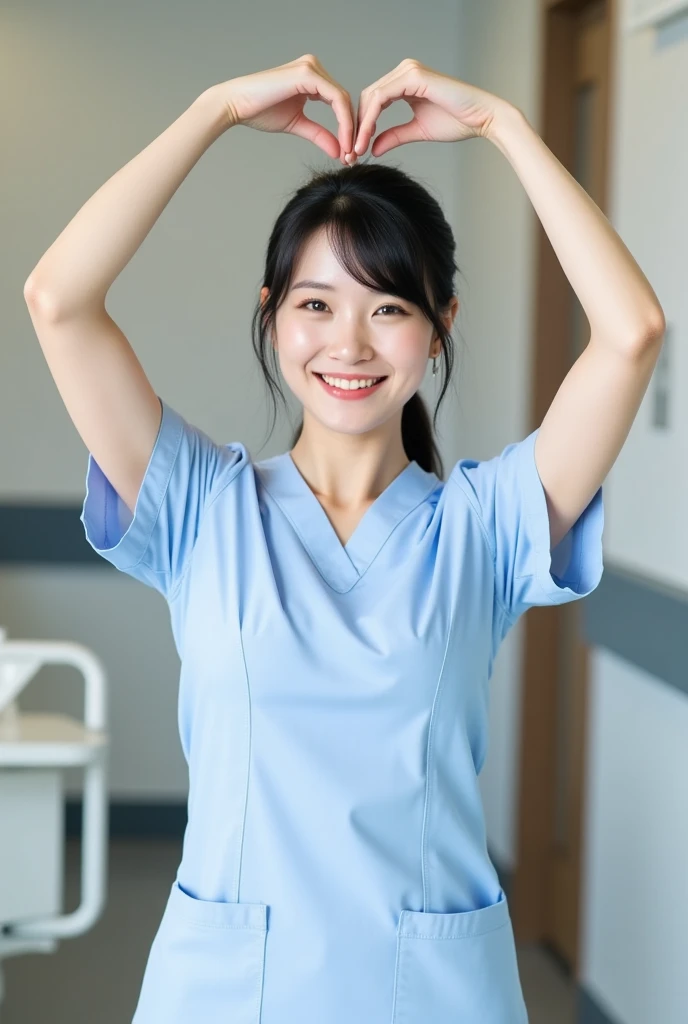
{"points": [[337, 627], [375, 254]]}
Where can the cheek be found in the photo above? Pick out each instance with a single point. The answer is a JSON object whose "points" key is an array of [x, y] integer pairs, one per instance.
{"points": [[296, 347], [406, 351]]}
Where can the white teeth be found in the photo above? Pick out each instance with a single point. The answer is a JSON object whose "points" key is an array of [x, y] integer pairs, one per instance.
{"points": [[350, 385]]}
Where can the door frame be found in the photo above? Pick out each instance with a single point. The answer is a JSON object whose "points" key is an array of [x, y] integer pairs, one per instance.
{"points": [[543, 626]]}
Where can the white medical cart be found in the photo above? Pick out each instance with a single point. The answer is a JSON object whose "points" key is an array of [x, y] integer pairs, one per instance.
{"points": [[34, 751]]}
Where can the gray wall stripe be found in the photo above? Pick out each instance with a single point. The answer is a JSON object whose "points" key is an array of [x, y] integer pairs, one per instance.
{"points": [[153, 820], [644, 621], [588, 1012], [44, 535]]}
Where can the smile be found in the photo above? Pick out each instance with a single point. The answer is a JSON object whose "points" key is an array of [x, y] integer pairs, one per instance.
{"points": [[350, 393]]}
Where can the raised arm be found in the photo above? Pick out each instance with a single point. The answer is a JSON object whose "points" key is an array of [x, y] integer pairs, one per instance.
{"points": [[592, 413], [101, 381]]}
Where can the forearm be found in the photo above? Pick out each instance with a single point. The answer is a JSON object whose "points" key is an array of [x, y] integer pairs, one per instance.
{"points": [[77, 270], [617, 298]]}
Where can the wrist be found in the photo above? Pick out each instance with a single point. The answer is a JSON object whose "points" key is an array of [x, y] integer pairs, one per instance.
{"points": [[213, 108], [507, 119]]}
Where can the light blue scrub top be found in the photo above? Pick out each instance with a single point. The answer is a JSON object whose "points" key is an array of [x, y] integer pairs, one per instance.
{"points": [[333, 710]]}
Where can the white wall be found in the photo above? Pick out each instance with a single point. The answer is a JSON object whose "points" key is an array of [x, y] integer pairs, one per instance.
{"points": [[649, 207], [86, 88], [634, 939]]}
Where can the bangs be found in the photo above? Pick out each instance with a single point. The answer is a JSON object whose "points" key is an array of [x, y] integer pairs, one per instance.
{"points": [[379, 251]]}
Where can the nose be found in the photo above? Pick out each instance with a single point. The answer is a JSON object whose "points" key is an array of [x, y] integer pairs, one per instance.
{"points": [[350, 346]]}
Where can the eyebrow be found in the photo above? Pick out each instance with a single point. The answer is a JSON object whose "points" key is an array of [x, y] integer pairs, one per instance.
{"points": [[308, 283], [313, 284]]}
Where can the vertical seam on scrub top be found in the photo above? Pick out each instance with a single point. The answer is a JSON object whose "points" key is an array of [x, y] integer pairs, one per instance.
{"points": [[239, 859], [435, 703], [240, 465], [492, 554]]}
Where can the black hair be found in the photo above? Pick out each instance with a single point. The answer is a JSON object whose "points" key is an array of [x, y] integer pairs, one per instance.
{"points": [[389, 233]]}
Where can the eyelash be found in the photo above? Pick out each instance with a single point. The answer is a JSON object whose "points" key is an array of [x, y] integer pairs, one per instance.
{"points": [[386, 305]]}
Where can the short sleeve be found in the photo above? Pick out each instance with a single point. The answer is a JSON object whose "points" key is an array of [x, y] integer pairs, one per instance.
{"points": [[509, 497], [154, 545]]}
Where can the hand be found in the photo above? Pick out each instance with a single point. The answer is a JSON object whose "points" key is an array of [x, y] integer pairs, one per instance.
{"points": [[446, 109], [273, 101]]}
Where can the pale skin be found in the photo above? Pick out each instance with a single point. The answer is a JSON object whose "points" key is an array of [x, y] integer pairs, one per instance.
{"points": [[348, 452]]}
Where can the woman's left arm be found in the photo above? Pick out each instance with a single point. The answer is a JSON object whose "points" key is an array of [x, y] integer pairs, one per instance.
{"points": [[592, 413]]}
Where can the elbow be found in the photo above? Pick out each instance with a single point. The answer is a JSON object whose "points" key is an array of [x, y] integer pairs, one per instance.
{"points": [[649, 336], [655, 328], [38, 299], [30, 289]]}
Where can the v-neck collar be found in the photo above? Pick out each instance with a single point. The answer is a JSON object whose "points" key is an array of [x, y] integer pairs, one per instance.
{"points": [[342, 565]]}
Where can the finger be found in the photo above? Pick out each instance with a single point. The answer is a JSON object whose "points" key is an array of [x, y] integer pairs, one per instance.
{"points": [[377, 102], [377, 97], [314, 132], [326, 89], [399, 135]]}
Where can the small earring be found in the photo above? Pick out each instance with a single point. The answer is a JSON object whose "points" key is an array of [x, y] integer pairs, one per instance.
{"points": [[434, 365]]}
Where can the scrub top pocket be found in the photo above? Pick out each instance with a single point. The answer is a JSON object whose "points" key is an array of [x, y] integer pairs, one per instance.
{"points": [[206, 963], [458, 967]]}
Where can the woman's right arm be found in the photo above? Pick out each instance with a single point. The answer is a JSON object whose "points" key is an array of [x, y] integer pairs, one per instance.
{"points": [[100, 379], [102, 383]]}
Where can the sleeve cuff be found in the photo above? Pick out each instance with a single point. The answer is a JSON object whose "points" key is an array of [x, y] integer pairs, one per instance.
{"points": [[575, 566], [108, 523]]}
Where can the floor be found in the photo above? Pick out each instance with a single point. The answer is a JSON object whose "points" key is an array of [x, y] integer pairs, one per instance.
{"points": [[96, 977]]}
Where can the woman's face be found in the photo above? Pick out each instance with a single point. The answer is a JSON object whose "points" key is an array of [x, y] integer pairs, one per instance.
{"points": [[339, 327]]}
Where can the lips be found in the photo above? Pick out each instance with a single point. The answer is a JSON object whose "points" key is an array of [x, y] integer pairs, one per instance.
{"points": [[347, 394], [352, 376]]}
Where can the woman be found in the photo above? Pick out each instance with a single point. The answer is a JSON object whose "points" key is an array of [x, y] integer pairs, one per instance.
{"points": [[337, 608]]}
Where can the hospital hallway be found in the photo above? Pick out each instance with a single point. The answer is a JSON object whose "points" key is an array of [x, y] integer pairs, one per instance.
{"points": [[95, 978]]}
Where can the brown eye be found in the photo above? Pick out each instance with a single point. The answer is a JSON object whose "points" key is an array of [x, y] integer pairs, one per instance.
{"points": [[387, 305]]}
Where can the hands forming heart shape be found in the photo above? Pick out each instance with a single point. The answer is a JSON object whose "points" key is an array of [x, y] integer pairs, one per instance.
{"points": [[445, 109]]}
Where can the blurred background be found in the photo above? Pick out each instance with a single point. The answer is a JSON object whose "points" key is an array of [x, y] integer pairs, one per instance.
{"points": [[586, 782]]}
